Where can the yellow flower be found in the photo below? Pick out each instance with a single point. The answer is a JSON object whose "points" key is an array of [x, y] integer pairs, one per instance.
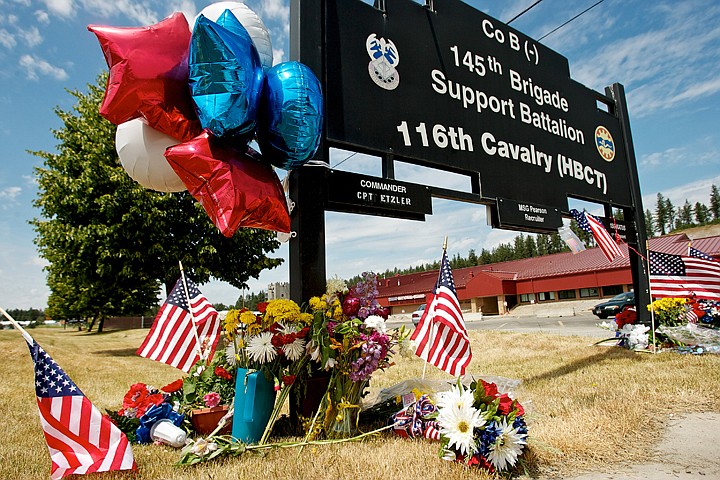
{"points": [[282, 310], [231, 321], [247, 317], [338, 313], [254, 329], [316, 303], [306, 318]]}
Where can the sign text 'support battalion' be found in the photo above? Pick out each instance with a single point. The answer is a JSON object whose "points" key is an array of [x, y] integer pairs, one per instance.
{"points": [[445, 86]]}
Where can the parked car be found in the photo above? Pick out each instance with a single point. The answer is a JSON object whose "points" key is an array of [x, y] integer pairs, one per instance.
{"points": [[417, 314], [615, 305]]}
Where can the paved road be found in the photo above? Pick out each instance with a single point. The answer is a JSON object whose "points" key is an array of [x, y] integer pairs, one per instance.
{"points": [[582, 324]]}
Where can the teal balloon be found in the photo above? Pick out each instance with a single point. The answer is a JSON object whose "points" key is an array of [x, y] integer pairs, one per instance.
{"points": [[226, 77], [291, 115]]}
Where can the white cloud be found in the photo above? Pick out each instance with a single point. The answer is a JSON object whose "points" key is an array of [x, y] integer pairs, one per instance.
{"points": [[7, 39], [697, 191], [64, 8], [10, 194], [137, 12], [42, 17], [31, 36], [276, 10], [35, 66], [672, 63]]}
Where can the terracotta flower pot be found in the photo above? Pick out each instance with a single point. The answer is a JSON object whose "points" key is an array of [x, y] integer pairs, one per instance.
{"points": [[205, 420]]}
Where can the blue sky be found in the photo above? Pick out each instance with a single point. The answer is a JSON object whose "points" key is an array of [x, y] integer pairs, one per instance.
{"points": [[665, 53]]}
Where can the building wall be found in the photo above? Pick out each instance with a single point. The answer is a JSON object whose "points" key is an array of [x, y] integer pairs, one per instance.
{"points": [[278, 290]]}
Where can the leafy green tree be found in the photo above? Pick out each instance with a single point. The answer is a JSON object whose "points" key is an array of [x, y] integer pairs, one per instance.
{"points": [[715, 202], [109, 242]]}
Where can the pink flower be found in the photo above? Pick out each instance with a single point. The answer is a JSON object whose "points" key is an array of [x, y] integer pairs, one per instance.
{"points": [[212, 399]]}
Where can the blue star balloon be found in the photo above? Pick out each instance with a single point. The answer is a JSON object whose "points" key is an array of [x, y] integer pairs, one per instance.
{"points": [[291, 115], [225, 77]]}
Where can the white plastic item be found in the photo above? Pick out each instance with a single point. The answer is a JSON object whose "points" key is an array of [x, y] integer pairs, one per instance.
{"points": [[166, 432]]}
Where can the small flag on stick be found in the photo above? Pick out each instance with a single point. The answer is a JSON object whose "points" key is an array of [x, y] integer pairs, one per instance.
{"points": [[80, 439], [592, 225], [182, 328], [441, 337]]}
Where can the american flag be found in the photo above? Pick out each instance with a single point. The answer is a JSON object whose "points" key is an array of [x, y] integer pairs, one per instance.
{"points": [[592, 225], [441, 337], [172, 339], [684, 276], [80, 439]]}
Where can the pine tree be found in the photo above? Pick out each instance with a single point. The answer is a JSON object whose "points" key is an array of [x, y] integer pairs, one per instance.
{"points": [[715, 202], [671, 214], [649, 224], [661, 216], [685, 216], [702, 213]]}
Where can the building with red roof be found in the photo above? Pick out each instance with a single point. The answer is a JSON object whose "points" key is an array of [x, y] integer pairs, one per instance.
{"points": [[496, 288]]}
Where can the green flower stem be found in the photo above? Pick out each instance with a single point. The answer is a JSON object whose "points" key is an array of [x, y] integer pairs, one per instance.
{"points": [[228, 445]]}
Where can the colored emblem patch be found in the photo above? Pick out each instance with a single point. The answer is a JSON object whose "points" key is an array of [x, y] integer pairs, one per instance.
{"points": [[605, 144]]}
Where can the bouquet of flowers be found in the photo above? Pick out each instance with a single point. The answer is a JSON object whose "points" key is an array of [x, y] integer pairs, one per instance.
{"points": [[142, 406], [481, 427], [349, 338], [628, 334], [272, 341]]}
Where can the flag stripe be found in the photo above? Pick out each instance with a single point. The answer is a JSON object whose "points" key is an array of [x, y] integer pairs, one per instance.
{"points": [[440, 336], [684, 276], [590, 224], [172, 338]]}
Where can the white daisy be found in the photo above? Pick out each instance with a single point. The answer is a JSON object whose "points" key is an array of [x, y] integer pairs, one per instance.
{"points": [[295, 350], [458, 397], [507, 447], [230, 354], [260, 348], [377, 323], [458, 425]]}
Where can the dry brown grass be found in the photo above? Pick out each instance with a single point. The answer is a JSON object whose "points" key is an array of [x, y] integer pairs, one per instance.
{"points": [[587, 406]]}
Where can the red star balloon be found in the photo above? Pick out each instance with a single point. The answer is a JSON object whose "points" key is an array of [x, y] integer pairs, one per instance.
{"points": [[235, 189], [149, 76]]}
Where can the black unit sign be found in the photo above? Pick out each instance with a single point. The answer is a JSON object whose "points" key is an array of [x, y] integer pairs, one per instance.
{"points": [[455, 89], [528, 217], [355, 193]]}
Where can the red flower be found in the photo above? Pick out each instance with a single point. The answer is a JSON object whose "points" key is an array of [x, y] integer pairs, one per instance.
{"points": [[173, 386], [276, 341], [149, 401], [288, 379], [627, 317], [491, 389], [506, 405], [303, 332], [261, 307], [222, 373], [135, 396]]}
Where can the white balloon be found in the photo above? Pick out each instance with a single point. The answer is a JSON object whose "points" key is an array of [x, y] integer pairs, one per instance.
{"points": [[141, 150], [252, 23]]}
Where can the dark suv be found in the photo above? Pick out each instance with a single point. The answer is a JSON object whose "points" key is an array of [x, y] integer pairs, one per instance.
{"points": [[615, 305]]}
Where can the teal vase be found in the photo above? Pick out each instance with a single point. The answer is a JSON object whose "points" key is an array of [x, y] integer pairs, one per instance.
{"points": [[254, 402]]}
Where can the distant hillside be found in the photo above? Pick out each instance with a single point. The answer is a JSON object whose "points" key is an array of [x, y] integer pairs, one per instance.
{"points": [[701, 232]]}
